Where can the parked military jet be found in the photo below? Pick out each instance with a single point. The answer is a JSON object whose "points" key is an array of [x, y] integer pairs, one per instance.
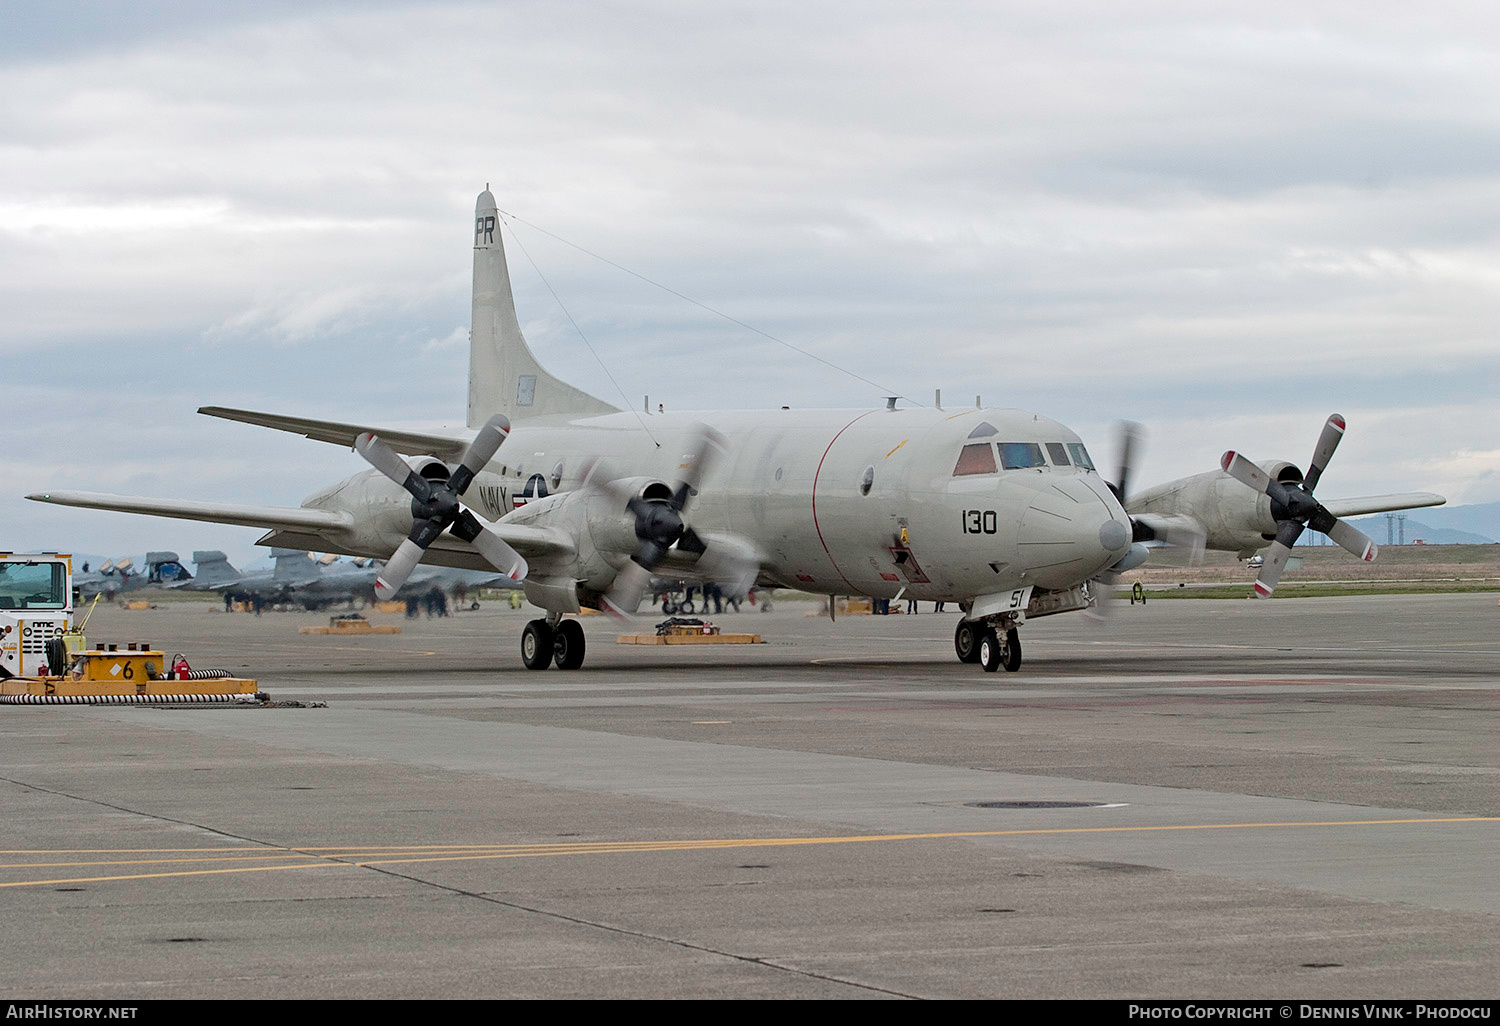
{"points": [[115, 577], [999, 511]]}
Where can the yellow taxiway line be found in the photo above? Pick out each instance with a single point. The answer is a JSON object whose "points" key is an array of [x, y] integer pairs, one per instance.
{"points": [[394, 855]]}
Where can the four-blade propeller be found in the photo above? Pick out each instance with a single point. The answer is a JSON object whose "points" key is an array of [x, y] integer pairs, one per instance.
{"points": [[659, 526], [1295, 509], [435, 507]]}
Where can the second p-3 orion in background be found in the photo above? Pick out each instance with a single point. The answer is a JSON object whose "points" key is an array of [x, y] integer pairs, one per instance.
{"points": [[999, 511]]}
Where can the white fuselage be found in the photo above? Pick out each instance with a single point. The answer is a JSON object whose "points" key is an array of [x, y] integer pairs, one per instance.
{"points": [[791, 486]]}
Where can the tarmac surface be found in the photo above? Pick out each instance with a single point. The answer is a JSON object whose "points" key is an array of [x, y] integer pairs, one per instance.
{"points": [[1285, 799]]}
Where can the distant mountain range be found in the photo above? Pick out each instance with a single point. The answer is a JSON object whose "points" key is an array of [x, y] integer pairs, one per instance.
{"points": [[1441, 525]]}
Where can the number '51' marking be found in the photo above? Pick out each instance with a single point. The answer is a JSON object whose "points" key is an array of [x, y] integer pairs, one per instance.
{"points": [[979, 521]]}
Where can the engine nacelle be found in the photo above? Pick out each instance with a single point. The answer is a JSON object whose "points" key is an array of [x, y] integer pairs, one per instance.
{"points": [[1231, 515], [1282, 472]]}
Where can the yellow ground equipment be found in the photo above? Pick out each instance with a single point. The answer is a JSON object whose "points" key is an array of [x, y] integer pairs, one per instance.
{"points": [[351, 623], [139, 675], [678, 631]]}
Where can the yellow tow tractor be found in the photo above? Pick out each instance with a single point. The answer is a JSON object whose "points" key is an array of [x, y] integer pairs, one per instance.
{"points": [[45, 660]]}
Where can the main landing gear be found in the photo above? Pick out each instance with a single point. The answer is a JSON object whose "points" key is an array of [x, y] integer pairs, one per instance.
{"points": [[977, 642], [543, 643]]}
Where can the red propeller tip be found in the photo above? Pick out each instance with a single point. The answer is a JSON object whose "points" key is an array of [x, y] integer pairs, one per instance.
{"points": [[1227, 460]]}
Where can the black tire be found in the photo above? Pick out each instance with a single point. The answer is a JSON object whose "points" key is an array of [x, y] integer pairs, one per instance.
{"points": [[990, 650], [567, 645], [685, 608], [536, 645], [1012, 658], [966, 641]]}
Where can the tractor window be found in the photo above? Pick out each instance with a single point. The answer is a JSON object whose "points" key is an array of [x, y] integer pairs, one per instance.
{"points": [[32, 586], [1020, 455], [1059, 454], [1080, 455], [975, 459]]}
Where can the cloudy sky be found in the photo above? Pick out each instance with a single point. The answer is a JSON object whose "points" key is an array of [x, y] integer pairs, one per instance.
{"points": [[1222, 220]]}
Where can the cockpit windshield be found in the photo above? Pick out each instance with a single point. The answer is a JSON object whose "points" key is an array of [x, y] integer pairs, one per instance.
{"points": [[33, 586], [979, 457], [975, 459], [1020, 455]]}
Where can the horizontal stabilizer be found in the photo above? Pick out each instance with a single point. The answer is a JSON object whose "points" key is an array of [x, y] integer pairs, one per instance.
{"points": [[267, 517], [412, 443], [1382, 503]]}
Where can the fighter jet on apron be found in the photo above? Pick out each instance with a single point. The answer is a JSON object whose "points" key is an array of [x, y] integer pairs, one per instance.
{"points": [[998, 511]]}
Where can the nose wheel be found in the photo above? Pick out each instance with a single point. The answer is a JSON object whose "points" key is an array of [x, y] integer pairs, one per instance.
{"points": [[966, 640], [997, 650]]}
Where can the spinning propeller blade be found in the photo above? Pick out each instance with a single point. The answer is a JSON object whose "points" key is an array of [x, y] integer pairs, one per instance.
{"points": [[659, 525]]}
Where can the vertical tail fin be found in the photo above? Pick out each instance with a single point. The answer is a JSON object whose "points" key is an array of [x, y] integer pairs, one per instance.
{"points": [[504, 375], [214, 568], [291, 563]]}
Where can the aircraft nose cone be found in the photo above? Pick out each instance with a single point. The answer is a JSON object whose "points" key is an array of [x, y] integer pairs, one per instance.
{"points": [[1071, 531]]}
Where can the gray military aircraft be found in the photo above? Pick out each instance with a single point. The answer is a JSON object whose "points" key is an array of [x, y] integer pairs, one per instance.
{"points": [[291, 569], [115, 577], [999, 511]]}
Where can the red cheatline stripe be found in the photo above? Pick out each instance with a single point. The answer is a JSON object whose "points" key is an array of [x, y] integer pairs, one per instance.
{"points": [[819, 471]]}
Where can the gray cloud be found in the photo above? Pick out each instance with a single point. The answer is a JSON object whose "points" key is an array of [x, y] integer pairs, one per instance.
{"points": [[1225, 222]]}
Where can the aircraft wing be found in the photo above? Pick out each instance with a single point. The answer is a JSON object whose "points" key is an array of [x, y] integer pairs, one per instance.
{"points": [[540, 546], [268, 517], [1382, 503], [412, 443], [537, 544]]}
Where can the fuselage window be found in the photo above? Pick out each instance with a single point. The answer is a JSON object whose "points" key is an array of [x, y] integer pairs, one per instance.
{"points": [[1020, 455], [1080, 455], [975, 459], [1059, 454]]}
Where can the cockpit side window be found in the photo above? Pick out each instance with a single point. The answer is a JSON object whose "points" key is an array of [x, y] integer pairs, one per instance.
{"points": [[1059, 454], [1080, 455], [1020, 455], [975, 459], [984, 430]]}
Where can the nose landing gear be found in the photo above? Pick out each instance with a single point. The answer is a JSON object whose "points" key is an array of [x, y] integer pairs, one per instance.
{"points": [[990, 646]]}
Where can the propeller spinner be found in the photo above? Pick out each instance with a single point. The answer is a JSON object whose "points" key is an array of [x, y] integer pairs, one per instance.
{"points": [[435, 507], [1295, 509]]}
